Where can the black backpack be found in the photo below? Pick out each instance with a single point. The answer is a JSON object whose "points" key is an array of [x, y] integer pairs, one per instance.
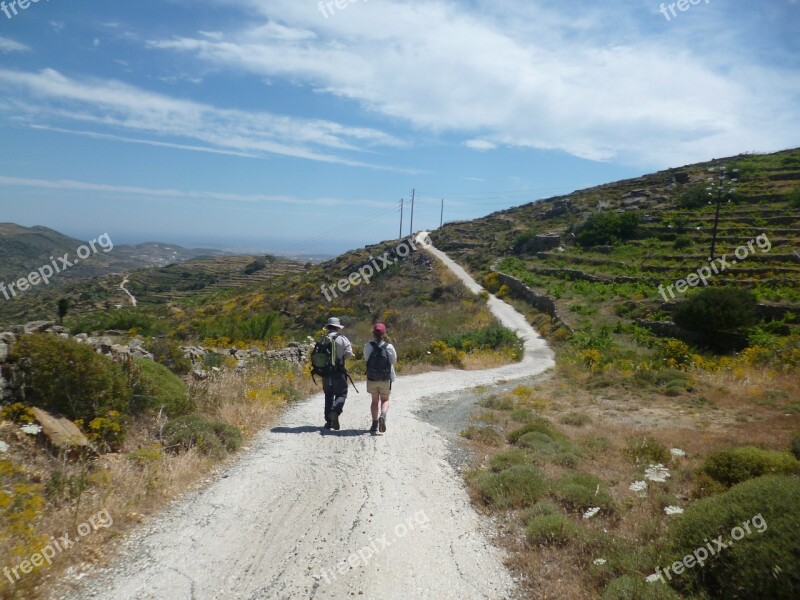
{"points": [[323, 357], [379, 367]]}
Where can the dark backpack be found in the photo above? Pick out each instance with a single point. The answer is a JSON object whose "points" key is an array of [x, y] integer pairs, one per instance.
{"points": [[323, 357], [379, 367]]}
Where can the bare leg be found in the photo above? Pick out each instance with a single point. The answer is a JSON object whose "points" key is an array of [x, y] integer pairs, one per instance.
{"points": [[374, 407], [384, 403]]}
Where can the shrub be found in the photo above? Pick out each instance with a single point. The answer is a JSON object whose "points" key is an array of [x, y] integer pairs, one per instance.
{"points": [[763, 563], [594, 446], [537, 425], [575, 419], [682, 243], [18, 413], [210, 437], [492, 337], [736, 465], [795, 446], [168, 352], [495, 402], [508, 458], [157, 388], [67, 377], [109, 430], [608, 228], [582, 491], [484, 435], [442, 354], [518, 486], [717, 309], [551, 529], [647, 450], [695, 197], [634, 587]]}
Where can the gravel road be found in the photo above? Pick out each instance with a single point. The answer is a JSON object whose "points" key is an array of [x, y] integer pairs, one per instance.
{"points": [[307, 513]]}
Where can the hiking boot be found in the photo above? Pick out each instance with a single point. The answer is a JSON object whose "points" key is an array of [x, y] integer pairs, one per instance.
{"points": [[335, 420], [374, 428], [327, 425], [382, 424]]}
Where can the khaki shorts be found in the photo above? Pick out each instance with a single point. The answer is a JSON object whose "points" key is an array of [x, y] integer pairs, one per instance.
{"points": [[379, 387]]}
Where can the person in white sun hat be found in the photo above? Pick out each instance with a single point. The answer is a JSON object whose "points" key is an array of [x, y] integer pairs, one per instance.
{"points": [[334, 384]]}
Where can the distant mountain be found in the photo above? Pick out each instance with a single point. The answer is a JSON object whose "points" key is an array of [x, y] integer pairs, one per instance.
{"points": [[24, 250]]}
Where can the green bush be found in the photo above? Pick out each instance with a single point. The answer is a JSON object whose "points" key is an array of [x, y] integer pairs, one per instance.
{"points": [[736, 465], [682, 243], [794, 446], [537, 425], [764, 563], [695, 197], [647, 450], [582, 491], [496, 402], [508, 458], [607, 227], [168, 352], [551, 530], [485, 435], [210, 437], [518, 486], [124, 319], [717, 309], [634, 587], [157, 388], [69, 378]]}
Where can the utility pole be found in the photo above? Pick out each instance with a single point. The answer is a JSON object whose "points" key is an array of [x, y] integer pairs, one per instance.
{"points": [[402, 201], [441, 216], [723, 186], [411, 231]]}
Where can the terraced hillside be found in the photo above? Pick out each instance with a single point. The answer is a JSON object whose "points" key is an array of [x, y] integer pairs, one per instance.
{"points": [[757, 246]]}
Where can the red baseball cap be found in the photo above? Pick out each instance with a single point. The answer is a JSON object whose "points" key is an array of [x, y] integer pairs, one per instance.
{"points": [[379, 328]]}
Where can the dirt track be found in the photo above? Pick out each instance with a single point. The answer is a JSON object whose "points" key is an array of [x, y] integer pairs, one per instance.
{"points": [[285, 518]]}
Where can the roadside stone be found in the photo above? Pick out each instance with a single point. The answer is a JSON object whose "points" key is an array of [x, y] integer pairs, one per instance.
{"points": [[37, 326]]}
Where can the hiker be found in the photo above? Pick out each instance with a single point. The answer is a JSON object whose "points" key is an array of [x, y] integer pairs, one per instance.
{"points": [[381, 357], [328, 361]]}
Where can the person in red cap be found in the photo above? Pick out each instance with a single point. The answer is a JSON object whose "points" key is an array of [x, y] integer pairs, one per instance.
{"points": [[381, 357]]}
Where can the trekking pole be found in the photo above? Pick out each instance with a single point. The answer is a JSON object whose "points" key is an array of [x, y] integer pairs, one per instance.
{"points": [[351, 381]]}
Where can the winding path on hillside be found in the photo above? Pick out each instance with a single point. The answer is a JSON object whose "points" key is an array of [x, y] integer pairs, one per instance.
{"points": [[124, 289], [333, 515]]}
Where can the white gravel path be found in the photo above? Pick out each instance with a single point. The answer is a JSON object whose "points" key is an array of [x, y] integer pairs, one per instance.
{"points": [[286, 516]]}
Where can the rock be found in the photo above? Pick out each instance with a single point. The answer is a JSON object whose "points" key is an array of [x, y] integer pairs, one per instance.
{"points": [[120, 349], [294, 344], [60, 432], [3, 351], [37, 326], [8, 337], [82, 337], [199, 373], [136, 343], [59, 329], [64, 336], [17, 329]]}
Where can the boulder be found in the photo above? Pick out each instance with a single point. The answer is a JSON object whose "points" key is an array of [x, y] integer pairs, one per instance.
{"points": [[8, 337], [37, 326], [60, 432], [3, 351]]}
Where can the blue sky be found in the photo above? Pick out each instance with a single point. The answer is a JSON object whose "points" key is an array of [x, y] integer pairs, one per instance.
{"points": [[289, 125]]}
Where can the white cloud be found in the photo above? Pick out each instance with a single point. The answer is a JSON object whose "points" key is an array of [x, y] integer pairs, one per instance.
{"points": [[49, 96], [7, 45], [520, 74], [480, 145], [65, 185]]}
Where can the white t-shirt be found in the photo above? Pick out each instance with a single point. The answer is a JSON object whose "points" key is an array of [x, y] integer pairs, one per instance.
{"points": [[389, 350]]}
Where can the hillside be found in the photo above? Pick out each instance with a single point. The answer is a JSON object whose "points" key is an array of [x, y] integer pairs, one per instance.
{"points": [[537, 242]]}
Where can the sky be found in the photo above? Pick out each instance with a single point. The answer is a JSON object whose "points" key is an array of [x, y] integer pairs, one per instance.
{"points": [[297, 126]]}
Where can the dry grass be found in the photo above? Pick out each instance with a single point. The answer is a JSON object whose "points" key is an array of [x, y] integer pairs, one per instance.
{"points": [[134, 484], [620, 413]]}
